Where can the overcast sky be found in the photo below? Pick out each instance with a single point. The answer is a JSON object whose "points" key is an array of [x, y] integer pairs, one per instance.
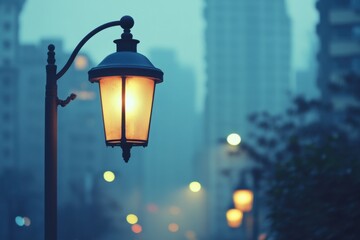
{"points": [[158, 23]]}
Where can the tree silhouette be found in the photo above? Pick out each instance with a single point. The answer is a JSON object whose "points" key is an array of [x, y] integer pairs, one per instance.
{"points": [[311, 160]]}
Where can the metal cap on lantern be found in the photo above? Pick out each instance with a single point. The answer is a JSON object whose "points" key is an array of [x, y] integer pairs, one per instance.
{"points": [[127, 82]]}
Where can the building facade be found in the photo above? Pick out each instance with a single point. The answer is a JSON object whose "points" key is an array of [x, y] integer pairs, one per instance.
{"points": [[9, 79], [339, 33], [248, 59]]}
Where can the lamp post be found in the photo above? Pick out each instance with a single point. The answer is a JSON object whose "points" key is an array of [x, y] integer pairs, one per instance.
{"points": [[127, 82], [246, 199]]}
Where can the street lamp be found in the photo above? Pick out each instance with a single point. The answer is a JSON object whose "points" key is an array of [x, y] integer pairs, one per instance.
{"points": [[127, 82], [234, 217], [243, 199]]}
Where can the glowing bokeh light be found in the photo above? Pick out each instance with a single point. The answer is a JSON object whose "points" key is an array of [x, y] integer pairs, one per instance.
{"points": [[174, 210], [81, 62], [243, 199], [195, 186], [136, 228], [109, 176], [234, 217], [262, 236], [20, 221], [190, 235], [27, 221], [173, 227], [233, 139], [132, 218], [152, 208]]}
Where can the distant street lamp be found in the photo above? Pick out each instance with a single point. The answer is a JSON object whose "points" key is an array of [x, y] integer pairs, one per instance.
{"points": [[234, 217], [127, 82], [233, 139], [243, 199]]}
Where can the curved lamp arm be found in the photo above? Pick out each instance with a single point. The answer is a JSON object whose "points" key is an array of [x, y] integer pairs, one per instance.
{"points": [[81, 44]]}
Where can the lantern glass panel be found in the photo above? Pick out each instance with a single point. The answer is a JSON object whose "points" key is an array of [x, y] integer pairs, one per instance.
{"points": [[139, 92], [110, 91]]}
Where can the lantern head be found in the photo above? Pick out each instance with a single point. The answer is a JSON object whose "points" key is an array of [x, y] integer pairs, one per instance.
{"points": [[127, 82], [234, 217], [243, 199]]}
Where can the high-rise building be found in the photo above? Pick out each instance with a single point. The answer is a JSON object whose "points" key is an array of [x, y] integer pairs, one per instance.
{"points": [[339, 34], [248, 59], [9, 42]]}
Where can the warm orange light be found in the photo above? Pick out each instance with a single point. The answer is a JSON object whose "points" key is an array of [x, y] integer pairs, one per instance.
{"points": [[139, 98], [243, 200], [139, 92], [173, 227], [81, 62], [152, 208], [174, 210], [136, 228], [234, 217]]}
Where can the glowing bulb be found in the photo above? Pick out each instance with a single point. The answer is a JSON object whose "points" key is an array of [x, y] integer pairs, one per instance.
{"points": [[233, 139], [109, 176], [132, 218], [195, 186]]}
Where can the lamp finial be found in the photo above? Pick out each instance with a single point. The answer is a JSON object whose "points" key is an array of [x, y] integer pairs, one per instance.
{"points": [[126, 22]]}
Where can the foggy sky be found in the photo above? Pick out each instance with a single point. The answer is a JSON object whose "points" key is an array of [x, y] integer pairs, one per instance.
{"points": [[158, 23]]}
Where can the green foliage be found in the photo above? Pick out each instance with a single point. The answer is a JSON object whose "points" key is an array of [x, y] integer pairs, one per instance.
{"points": [[311, 154]]}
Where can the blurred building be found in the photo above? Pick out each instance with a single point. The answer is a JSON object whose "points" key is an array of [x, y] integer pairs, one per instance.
{"points": [[248, 59], [339, 34], [305, 78], [9, 79]]}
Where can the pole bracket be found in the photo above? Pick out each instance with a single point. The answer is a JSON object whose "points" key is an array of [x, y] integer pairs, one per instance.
{"points": [[65, 102]]}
